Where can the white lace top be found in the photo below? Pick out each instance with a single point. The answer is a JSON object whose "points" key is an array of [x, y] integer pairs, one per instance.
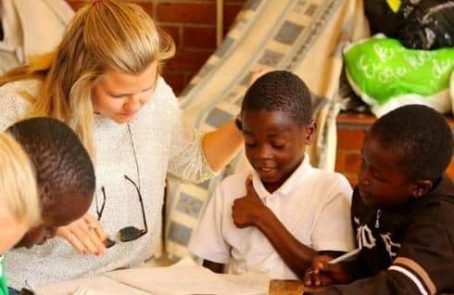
{"points": [[163, 144]]}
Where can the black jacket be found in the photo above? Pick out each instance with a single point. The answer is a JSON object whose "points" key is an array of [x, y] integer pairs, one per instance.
{"points": [[406, 250]]}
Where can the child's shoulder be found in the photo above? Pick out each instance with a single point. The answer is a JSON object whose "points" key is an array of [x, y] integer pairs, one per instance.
{"points": [[321, 177], [432, 222], [441, 209], [31, 86], [17, 94], [234, 185], [162, 100], [436, 208], [15, 100], [440, 198], [163, 91], [324, 185], [236, 179]]}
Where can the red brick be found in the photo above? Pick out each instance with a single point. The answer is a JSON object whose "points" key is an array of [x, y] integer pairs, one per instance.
{"points": [[352, 178], [350, 139], [173, 31], [180, 12], [188, 76], [188, 60], [450, 170], [75, 5], [176, 80], [352, 162], [199, 37], [147, 6], [225, 1], [364, 120], [340, 161], [230, 13]]}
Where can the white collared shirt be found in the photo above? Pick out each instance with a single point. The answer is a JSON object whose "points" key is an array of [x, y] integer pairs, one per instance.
{"points": [[313, 204]]}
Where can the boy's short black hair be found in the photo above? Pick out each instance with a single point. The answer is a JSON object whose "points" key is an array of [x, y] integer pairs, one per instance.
{"points": [[280, 91], [421, 138], [62, 165]]}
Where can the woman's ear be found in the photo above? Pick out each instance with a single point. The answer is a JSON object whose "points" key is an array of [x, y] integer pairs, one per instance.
{"points": [[310, 131], [421, 187]]}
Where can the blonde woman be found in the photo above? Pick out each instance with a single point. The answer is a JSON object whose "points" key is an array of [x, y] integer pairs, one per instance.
{"points": [[19, 205], [105, 83]]}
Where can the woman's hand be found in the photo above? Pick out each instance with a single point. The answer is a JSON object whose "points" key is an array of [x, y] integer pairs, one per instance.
{"points": [[85, 235]]}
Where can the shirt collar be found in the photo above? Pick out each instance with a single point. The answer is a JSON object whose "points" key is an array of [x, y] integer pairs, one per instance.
{"points": [[287, 186]]}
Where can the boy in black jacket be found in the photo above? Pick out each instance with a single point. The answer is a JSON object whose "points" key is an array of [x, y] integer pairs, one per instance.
{"points": [[402, 211]]}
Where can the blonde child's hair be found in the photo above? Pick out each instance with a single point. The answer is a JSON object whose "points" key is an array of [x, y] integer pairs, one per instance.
{"points": [[104, 35], [18, 188]]}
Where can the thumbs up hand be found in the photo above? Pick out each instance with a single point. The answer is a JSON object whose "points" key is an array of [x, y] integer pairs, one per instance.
{"points": [[246, 211]]}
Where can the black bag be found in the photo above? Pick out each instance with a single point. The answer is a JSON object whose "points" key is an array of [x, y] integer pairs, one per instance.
{"points": [[418, 24]]}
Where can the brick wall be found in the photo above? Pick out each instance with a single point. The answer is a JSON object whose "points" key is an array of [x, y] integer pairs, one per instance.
{"points": [[192, 24], [351, 131]]}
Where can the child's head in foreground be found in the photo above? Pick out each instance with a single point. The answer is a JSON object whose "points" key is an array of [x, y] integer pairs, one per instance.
{"points": [[404, 156], [276, 120], [64, 173], [19, 204]]}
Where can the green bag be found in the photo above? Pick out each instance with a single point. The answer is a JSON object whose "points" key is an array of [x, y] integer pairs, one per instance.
{"points": [[386, 75]]}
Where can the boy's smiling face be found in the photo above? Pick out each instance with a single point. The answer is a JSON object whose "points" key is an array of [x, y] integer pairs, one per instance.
{"points": [[275, 144], [382, 183]]}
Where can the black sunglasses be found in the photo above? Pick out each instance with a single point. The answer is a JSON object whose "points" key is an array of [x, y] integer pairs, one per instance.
{"points": [[129, 233]]}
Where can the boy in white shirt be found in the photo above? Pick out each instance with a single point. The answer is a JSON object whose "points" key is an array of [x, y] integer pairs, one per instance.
{"points": [[276, 218]]}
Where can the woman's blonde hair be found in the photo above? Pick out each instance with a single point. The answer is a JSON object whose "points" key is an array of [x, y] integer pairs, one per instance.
{"points": [[104, 35], [18, 188]]}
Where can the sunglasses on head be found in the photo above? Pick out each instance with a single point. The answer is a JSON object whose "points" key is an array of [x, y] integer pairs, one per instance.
{"points": [[129, 233]]}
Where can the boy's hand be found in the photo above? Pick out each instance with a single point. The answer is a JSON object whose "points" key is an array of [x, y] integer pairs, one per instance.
{"points": [[85, 235], [323, 273], [247, 210]]}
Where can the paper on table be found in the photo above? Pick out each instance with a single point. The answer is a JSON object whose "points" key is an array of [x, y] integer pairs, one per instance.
{"points": [[93, 286], [186, 277], [183, 278]]}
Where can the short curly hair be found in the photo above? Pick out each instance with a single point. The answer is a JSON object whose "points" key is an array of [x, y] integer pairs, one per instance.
{"points": [[421, 138], [280, 91], [62, 165]]}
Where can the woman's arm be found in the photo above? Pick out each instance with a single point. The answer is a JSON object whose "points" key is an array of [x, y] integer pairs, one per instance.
{"points": [[221, 146]]}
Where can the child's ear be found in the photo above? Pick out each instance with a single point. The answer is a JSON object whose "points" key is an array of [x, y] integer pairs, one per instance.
{"points": [[310, 131], [420, 188]]}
